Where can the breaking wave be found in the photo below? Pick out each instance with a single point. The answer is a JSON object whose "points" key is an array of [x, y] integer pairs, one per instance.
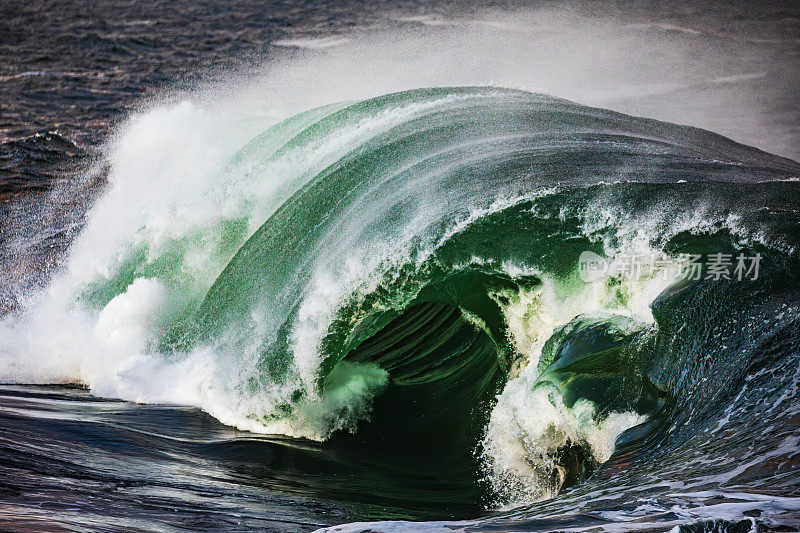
{"points": [[401, 274]]}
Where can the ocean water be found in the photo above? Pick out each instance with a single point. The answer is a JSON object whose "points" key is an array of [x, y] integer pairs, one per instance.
{"points": [[411, 267]]}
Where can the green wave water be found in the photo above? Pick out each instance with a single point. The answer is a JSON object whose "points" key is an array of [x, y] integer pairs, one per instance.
{"points": [[397, 279]]}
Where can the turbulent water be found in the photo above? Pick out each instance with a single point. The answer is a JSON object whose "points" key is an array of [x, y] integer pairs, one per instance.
{"points": [[397, 278], [376, 308]]}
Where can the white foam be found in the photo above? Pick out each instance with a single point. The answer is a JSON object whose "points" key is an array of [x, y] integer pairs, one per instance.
{"points": [[526, 429], [527, 425]]}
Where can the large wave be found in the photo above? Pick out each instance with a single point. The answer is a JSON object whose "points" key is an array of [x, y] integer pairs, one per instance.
{"points": [[402, 273]]}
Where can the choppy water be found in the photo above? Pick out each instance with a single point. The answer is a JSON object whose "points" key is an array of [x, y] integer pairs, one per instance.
{"points": [[330, 273]]}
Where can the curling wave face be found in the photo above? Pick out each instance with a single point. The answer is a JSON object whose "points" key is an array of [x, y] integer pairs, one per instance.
{"points": [[398, 278]]}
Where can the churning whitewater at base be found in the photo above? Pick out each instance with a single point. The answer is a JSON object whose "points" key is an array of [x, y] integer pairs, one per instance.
{"points": [[382, 299]]}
